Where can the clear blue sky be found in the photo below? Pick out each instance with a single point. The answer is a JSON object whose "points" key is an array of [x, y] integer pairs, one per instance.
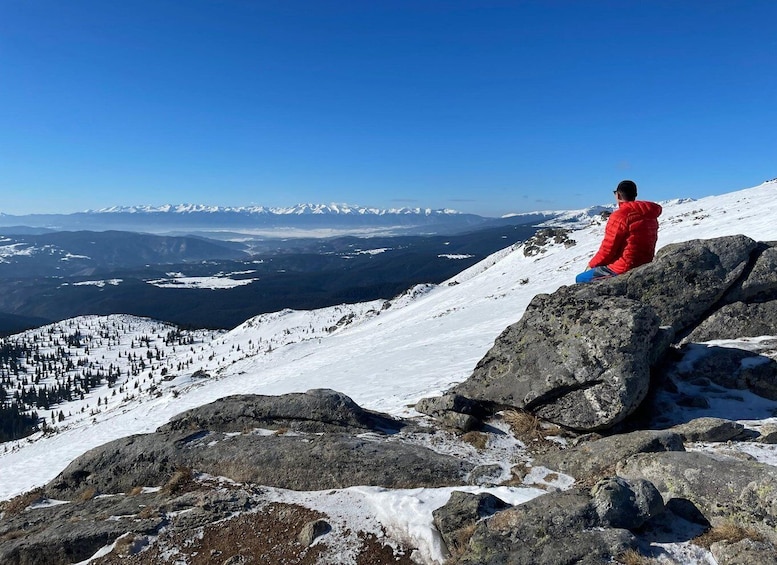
{"points": [[481, 106]]}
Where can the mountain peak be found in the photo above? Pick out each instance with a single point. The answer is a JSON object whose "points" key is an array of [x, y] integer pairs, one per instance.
{"points": [[297, 209]]}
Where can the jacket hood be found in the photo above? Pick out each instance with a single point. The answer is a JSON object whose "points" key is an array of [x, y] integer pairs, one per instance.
{"points": [[644, 208]]}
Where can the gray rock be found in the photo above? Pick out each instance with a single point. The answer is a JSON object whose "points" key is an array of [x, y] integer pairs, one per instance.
{"points": [[544, 238], [743, 490], [457, 421], [559, 527], [737, 320], [457, 518], [450, 402], [622, 503], [760, 284], [686, 279], [599, 457], [488, 474], [313, 530], [121, 465], [314, 411], [709, 429], [199, 508], [561, 364], [733, 368], [768, 434], [299, 462], [70, 533], [453, 411], [326, 461], [744, 552]]}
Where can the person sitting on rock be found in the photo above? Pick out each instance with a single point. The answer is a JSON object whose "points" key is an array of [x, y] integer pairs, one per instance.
{"points": [[629, 237]]}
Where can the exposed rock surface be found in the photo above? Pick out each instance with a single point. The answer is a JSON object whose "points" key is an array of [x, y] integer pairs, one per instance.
{"points": [[598, 457], [561, 527], [295, 461], [554, 362], [709, 429], [741, 319], [314, 411], [744, 552], [720, 487], [457, 518], [733, 368], [582, 357], [686, 280], [621, 503]]}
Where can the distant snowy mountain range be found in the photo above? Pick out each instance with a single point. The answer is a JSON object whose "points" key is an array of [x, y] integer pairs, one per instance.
{"points": [[264, 221], [298, 209]]}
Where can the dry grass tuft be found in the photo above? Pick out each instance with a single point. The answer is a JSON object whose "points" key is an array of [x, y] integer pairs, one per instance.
{"points": [[478, 440], [123, 546], [181, 480], [522, 423], [87, 494], [634, 557], [18, 503], [727, 531], [531, 430]]}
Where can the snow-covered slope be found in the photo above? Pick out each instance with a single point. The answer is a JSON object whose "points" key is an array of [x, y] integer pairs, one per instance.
{"points": [[385, 356]]}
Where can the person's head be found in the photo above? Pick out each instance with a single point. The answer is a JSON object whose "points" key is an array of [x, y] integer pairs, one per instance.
{"points": [[626, 191]]}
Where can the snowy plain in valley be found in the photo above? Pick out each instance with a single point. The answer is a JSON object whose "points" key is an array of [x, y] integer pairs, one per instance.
{"points": [[386, 355]]}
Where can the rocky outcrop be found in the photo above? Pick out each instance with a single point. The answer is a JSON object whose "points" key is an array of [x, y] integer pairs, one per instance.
{"points": [[582, 357], [598, 457], [686, 280], [742, 319], [719, 487], [554, 364], [313, 441], [243, 452], [560, 527], [314, 411], [732, 369], [457, 518]]}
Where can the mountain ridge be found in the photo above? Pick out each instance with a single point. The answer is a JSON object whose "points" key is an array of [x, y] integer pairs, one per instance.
{"points": [[300, 208]]}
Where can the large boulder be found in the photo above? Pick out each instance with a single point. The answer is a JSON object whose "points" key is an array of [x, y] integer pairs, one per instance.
{"points": [[72, 533], [297, 460], [686, 279], [730, 368], [576, 358], [739, 319], [760, 283], [622, 503], [598, 457], [559, 527], [720, 487], [581, 357], [314, 411]]}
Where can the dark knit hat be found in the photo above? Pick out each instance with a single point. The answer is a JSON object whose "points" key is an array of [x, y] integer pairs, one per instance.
{"points": [[627, 189]]}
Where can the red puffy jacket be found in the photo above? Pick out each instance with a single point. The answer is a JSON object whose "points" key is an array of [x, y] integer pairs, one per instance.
{"points": [[629, 237]]}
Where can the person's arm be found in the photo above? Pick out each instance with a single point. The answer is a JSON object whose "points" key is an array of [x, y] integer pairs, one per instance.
{"points": [[615, 233]]}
